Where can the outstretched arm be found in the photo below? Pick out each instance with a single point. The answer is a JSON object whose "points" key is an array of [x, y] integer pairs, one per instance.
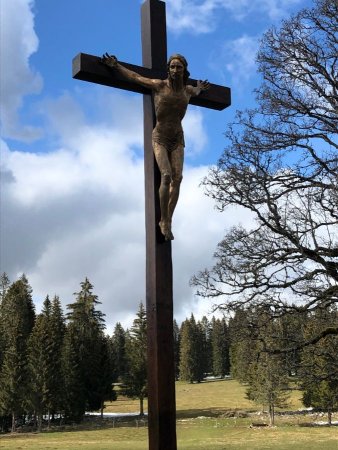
{"points": [[111, 61], [201, 86]]}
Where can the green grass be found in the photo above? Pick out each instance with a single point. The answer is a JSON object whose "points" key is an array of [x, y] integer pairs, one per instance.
{"points": [[208, 398], [201, 425], [236, 434], [192, 434]]}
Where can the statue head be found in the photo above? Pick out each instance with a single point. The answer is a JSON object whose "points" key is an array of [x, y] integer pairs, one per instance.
{"points": [[183, 61]]}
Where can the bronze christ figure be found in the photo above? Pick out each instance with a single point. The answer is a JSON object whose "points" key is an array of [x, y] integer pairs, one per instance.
{"points": [[171, 99]]}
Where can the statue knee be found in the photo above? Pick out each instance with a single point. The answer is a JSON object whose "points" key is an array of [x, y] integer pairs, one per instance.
{"points": [[176, 181], [166, 178]]}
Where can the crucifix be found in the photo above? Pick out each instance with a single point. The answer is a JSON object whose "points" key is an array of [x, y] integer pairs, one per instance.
{"points": [[159, 279]]}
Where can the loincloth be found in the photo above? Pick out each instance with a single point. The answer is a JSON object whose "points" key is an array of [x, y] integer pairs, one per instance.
{"points": [[169, 142]]}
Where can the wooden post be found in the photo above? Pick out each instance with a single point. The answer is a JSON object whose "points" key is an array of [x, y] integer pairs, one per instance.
{"points": [[159, 274]]}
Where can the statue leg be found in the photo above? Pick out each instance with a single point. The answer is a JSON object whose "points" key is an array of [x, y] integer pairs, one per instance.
{"points": [[176, 160], [161, 155]]}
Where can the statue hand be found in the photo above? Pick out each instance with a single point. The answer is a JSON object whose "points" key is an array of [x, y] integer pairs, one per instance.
{"points": [[203, 85], [109, 60]]}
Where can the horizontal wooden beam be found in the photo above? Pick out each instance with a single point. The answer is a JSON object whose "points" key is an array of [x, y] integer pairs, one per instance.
{"points": [[89, 68]]}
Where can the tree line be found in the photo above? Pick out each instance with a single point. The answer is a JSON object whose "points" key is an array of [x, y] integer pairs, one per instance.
{"points": [[57, 366]]}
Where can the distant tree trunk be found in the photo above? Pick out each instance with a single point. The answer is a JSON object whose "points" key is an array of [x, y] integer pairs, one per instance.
{"points": [[141, 407], [272, 414], [39, 421], [102, 408], [13, 422], [329, 416]]}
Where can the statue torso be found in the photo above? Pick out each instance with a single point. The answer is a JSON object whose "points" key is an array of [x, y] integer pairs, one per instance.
{"points": [[170, 108]]}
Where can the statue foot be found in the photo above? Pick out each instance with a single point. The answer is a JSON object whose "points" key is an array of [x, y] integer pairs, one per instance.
{"points": [[166, 230]]}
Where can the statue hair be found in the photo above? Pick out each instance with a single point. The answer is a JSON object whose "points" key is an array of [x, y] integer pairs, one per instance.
{"points": [[182, 59]]}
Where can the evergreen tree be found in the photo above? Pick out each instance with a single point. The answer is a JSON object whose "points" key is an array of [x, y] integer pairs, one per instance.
{"points": [[264, 373], [45, 351], [241, 336], [73, 374], [119, 351], [186, 363], [108, 372], [268, 383], [220, 348], [81, 353], [177, 343], [206, 351], [4, 285], [136, 351], [40, 362], [56, 382], [319, 364], [17, 320], [292, 332], [191, 354]]}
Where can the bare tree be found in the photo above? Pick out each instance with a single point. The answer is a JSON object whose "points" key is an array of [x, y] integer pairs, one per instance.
{"points": [[282, 165]]}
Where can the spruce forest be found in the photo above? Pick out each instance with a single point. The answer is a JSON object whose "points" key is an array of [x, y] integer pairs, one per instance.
{"points": [[55, 366]]}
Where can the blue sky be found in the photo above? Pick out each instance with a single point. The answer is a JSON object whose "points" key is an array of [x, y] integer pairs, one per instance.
{"points": [[71, 152]]}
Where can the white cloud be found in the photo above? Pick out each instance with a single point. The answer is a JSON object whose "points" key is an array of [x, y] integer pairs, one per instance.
{"points": [[187, 15], [238, 58], [203, 16], [17, 78], [78, 211], [194, 132]]}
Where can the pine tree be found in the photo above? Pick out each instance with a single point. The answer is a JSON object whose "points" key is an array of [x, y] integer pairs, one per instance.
{"points": [[177, 343], [186, 363], [108, 373], [268, 383], [206, 350], [220, 348], [40, 367], [73, 375], [319, 364], [136, 350], [191, 351], [265, 374], [4, 285], [119, 351], [241, 351], [81, 355], [44, 350], [56, 382], [17, 320]]}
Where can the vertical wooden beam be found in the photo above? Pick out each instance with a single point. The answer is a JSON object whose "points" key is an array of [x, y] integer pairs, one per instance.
{"points": [[159, 278]]}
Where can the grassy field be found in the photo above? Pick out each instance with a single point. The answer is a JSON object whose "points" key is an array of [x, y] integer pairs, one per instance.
{"points": [[207, 398], [202, 424]]}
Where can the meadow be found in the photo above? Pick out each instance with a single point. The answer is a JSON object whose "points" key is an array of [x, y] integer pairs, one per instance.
{"points": [[210, 416]]}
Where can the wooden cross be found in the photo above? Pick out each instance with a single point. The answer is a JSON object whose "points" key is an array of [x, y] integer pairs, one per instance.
{"points": [[159, 283]]}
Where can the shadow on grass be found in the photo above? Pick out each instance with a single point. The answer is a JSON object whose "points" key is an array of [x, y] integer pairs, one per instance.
{"points": [[210, 412], [88, 424], [97, 423], [92, 423], [317, 425]]}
